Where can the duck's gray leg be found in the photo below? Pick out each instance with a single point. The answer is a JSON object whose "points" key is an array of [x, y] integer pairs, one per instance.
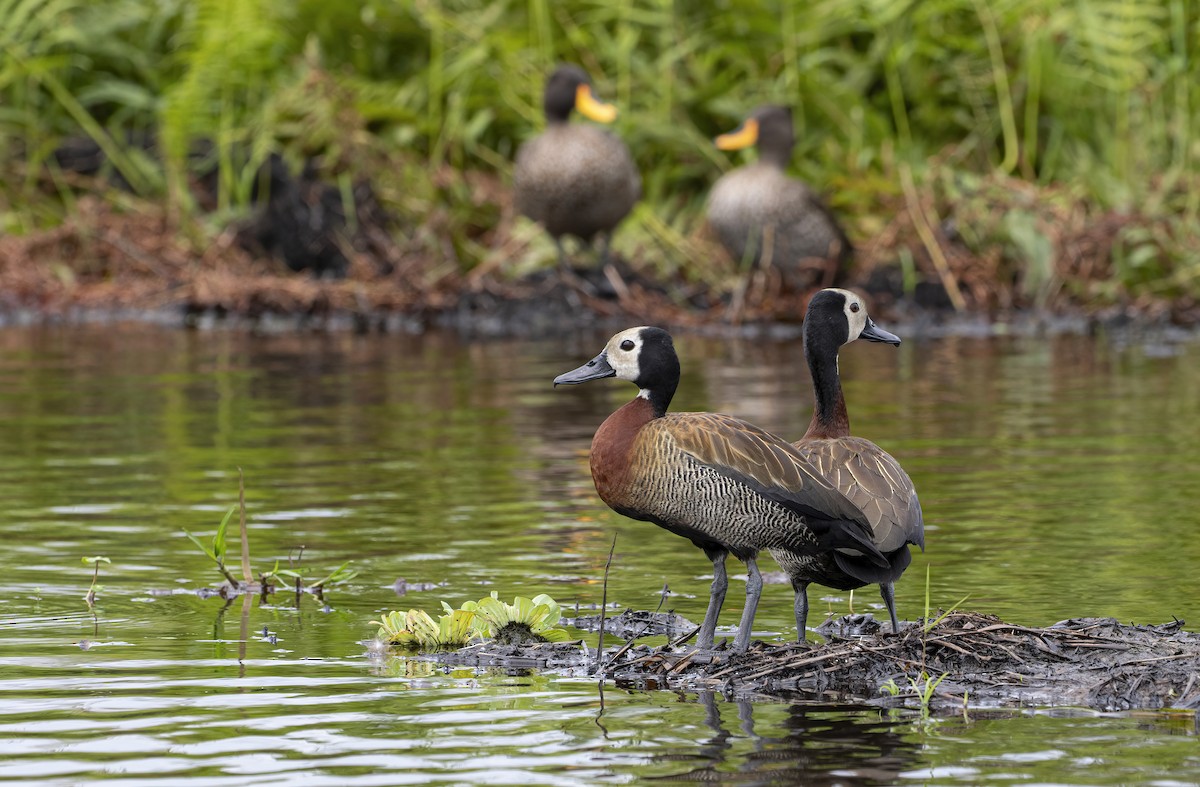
{"points": [[753, 592], [801, 608], [716, 598], [888, 591]]}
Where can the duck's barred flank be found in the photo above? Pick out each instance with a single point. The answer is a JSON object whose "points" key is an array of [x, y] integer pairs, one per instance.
{"points": [[716, 479], [698, 502]]}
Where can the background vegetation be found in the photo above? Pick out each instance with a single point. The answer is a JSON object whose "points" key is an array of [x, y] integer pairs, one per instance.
{"points": [[1016, 152]]}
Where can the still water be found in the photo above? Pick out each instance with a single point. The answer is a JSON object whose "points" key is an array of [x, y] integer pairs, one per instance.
{"points": [[1060, 477]]}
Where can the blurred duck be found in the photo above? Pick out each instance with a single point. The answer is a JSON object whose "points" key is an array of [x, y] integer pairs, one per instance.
{"points": [[866, 474], [575, 179], [718, 481], [762, 215]]}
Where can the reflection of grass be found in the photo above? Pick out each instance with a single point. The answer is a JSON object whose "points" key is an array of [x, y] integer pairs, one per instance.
{"points": [[524, 620]]}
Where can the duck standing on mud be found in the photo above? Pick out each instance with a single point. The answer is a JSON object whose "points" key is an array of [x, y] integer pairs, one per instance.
{"points": [[575, 179], [869, 476], [718, 481], [763, 216]]}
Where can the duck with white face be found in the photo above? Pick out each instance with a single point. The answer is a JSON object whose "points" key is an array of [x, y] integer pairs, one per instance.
{"points": [[724, 484], [866, 474]]}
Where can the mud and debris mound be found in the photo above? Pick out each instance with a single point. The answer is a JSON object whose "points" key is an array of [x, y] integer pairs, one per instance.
{"points": [[964, 659], [633, 624]]}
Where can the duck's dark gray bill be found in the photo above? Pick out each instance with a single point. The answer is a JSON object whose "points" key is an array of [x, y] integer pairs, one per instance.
{"points": [[594, 369], [873, 333]]}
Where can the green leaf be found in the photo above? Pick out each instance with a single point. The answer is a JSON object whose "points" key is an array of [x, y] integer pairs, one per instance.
{"points": [[219, 539], [97, 559], [338, 575], [202, 547]]}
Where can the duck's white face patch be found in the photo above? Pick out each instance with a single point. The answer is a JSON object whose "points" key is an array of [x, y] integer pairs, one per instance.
{"points": [[856, 314], [623, 352]]}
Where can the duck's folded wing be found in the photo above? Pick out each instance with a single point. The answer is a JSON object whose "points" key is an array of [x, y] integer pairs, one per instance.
{"points": [[778, 471], [875, 482]]}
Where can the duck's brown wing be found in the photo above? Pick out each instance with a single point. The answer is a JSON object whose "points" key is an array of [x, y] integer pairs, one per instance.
{"points": [[776, 470], [875, 482]]}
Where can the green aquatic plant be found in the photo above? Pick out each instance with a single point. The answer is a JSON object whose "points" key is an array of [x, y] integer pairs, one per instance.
{"points": [[922, 687], [216, 553], [95, 562], [416, 630], [523, 620], [342, 573]]}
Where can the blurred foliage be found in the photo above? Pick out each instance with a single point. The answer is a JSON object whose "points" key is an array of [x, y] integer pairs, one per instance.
{"points": [[1101, 95]]}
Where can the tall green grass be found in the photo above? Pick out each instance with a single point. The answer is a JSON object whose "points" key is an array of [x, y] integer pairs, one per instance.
{"points": [[1100, 95]]}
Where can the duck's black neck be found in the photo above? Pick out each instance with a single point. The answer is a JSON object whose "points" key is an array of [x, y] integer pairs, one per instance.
{"points": [[776, 155], [660, 397], [830, 418], [775, 142]]}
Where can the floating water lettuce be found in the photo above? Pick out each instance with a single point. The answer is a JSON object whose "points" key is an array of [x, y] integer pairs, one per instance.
{"points": [[521, 621], [416, 630], [524, 620]]}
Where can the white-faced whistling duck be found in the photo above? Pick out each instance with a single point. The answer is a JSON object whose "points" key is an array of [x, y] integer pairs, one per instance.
{"points": [[870, 477], [724, 484]]}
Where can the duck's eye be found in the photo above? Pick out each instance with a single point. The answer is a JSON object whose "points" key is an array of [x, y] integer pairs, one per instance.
{"points": [[627, 345], [854, 307]]}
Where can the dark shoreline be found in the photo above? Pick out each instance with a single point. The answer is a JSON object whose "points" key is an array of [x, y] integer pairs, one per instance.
{"points": [[531, 319]]}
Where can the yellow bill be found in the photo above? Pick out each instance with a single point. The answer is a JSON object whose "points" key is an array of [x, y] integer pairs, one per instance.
{"points": [[743, 136], [591, 108]]}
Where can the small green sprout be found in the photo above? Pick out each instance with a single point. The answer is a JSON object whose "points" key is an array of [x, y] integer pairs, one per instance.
{"points": [[924, 687], [95, 562], [339, 575]]}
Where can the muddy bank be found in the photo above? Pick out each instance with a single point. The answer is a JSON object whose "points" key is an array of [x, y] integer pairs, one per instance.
{"points": [[300, 264], [967, 658]]}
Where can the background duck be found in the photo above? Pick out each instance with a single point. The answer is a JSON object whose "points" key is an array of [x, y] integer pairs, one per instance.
{"points": [[724, 484], [758, 212], [575, 179], [866, 474]]}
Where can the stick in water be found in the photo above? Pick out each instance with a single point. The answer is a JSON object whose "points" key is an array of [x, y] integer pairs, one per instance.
{"points": [[246, 575], [604, 604]]}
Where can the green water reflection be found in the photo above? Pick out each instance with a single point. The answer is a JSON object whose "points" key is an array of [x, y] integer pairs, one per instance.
{"points": [[1059, 479]]}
